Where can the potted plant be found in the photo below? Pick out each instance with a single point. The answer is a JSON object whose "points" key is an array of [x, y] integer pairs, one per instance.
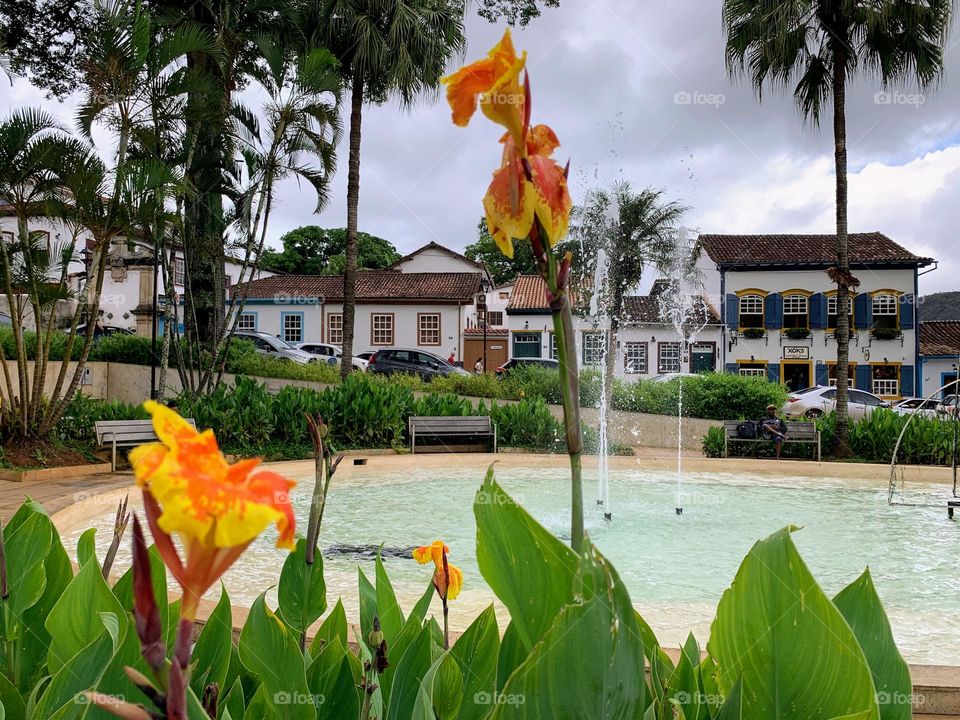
{"points": [[885, 333], [753, 333], [797, 333]]}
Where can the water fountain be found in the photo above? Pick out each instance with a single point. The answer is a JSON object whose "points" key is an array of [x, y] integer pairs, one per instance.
{"points": [[600, 313], [681, 305]]}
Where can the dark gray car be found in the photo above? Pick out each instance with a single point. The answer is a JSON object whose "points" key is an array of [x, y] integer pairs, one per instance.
{"points": [[416, 362]]}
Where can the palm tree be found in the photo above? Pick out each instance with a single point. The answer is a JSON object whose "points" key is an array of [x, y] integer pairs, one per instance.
{"points": [[815, 46], [634, 230], [386, 49]]}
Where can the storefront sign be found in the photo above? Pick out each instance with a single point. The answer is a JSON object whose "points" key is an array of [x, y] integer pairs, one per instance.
{"points": [[796, 352]]}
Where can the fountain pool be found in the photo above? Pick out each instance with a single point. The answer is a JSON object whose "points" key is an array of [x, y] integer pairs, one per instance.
{"points": [[675, 567]]}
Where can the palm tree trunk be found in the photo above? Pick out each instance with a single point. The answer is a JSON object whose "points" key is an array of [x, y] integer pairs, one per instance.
{"points": [[353, 200], [842, 448]]}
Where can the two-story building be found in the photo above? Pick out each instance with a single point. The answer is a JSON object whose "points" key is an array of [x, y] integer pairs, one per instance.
{"points": [[780, 309], [647, 343], [939, 356]]}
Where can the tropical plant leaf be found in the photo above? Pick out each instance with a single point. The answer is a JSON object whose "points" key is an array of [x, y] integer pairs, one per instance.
{"points": [[211, 654], [302, 594], [331, 682], [777, 631], [411, 669], [476, 652]]}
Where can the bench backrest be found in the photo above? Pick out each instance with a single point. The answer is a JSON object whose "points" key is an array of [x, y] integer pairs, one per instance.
{"points": [[795, 430], [458, 423], [127, 431]]}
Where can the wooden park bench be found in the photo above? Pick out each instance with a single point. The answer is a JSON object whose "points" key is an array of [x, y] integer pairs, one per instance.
{"points": [[125, 433], [472, 427], [797, 432]]}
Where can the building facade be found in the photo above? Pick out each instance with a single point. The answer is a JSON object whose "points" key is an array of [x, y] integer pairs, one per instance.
{"points": [[939, 356], [646, 344], [779, 308]]}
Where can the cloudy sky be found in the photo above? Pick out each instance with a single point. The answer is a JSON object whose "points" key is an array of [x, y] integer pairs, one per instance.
{"points": [[638, 90]]}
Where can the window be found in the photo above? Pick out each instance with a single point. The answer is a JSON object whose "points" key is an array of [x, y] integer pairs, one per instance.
{"points": [[247, 321], [885, 311], [504, 295], [179, 272], [795, 311], [381, 329], [832, 311], [668, 357], [292, 326], [526, 345], [335, 328], [752, 370], [886, 380], [553, 346], [635, 358], [594, 347], [495, 318], [751, 311], [428, 328], [832, 374]]}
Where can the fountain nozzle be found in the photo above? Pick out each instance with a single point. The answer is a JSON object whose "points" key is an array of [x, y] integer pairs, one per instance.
{"points": [[608, 516], [600, 502], [679, 511]]}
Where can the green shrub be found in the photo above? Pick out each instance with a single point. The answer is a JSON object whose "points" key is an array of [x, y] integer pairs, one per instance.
{"points": [[927, 441], [712, 396], [486, 386], [58, 345], [76, 424], [130, 349], [527, 424], [272, 367], [713, 442]]}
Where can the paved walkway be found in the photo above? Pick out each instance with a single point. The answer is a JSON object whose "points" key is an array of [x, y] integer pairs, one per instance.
{"points": [[55, 495]]}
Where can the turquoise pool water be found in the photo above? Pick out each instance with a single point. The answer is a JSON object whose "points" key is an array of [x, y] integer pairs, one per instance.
{"points": [[675, 567]]}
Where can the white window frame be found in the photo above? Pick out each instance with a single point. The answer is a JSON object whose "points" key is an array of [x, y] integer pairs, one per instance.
{"points": [[554, 354], [754, 303], [663, 358], [292, 332], [335, 328], [381, 329], [885, 387], [801, 304], [179, 271], [495, 318], [245, 326], [635, 358], [760, 372]]}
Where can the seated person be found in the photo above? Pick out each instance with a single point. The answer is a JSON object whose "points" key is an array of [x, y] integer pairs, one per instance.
{"points": [[773, 428]]}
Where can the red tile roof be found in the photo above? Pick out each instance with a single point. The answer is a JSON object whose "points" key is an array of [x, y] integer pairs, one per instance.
{"points": [[940, 337], [530, 296], [372, 286], [491, 331], [872, 248]]}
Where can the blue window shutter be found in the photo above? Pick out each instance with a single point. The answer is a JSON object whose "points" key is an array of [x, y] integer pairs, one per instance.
{"points": [[731, 368], [906, 380], [823, 375], [863, 311], [773, 372], [907, 307], [818, 311], [773, 309], [863, 377], [733, 311]]}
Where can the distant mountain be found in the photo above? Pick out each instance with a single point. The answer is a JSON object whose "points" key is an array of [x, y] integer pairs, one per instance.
{"points": [[939, 306]]}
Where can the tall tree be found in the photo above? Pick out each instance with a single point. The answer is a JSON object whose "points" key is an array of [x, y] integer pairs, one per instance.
{"points": [[396, 49], [312, 250], [502, 269], [635, 230], [513, 11], [816, 47]]}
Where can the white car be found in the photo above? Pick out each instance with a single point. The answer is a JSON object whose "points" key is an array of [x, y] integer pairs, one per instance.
{"points": [[812, 402], [921, 406], [667, 377], [947, 406], [330, 352], [272, 346]]}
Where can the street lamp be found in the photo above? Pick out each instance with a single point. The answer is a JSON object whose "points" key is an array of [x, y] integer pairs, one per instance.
{"points": [[481, 302]]}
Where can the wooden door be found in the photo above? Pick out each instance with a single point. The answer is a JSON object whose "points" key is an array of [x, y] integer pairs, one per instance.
{"points": [[473, 349]]}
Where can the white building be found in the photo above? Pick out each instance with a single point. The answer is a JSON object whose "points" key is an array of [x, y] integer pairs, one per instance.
{"points": [[647, 344], [939, 354], [779, 309], [393, 309]]}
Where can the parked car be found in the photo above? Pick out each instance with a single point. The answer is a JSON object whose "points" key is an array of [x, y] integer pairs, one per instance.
{"points": [[272, 346], [328, 352], [416, 362], [947, 406], [517, 362], [100, 331], [921, 406], [812, 402], [365, 356]]}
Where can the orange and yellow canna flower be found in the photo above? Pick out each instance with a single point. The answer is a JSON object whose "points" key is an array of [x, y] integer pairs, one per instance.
{"points": [[216, 509], [494, 82], [447, 578], [529, 186]]}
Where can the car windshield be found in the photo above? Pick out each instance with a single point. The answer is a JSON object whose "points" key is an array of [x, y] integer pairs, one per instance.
{"points": [[805, 390], [279, 343]]}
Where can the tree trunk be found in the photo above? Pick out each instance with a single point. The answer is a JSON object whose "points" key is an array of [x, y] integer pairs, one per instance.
{"points": [[842, 448], [353, 200]]}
